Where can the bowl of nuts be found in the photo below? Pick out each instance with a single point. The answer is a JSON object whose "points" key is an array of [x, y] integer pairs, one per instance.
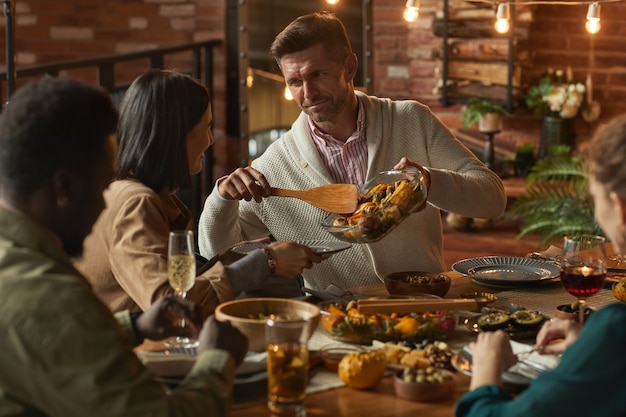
{"points": [[425, 385], [417, 282]]}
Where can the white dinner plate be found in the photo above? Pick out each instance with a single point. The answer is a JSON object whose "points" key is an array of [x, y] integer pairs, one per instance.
{"points": [[506, 271], [462, 362], [179, 361], [529, 366], [322, 247]]}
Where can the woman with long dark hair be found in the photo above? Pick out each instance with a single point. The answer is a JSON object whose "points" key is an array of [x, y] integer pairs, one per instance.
{"points": [[164, 130]]}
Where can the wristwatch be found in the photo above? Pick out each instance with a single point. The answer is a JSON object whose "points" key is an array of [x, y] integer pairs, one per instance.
{"points": [[271, 262]]}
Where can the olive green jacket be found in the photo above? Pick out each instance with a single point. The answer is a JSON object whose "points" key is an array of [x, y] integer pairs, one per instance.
{"points": [[63, 354]]}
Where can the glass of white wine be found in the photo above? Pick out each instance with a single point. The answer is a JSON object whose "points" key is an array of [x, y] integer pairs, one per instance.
{"points": [[181, 273]]}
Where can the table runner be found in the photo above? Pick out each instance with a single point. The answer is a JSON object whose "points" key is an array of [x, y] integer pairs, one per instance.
{"points": [[545, 298]]}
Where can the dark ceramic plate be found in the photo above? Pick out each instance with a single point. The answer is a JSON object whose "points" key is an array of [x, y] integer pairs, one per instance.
{"points": [[507, 271]]}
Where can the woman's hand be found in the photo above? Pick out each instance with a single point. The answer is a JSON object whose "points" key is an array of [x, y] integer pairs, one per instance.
{"points": [[292, 258], [491, 355], [557, 329]]}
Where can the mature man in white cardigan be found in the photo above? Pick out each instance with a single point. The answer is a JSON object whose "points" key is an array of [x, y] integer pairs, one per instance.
{"points": [[343, 135]]}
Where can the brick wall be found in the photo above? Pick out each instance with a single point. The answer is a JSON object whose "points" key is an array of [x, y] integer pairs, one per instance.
{"points": [[406, 66], [405, 55]]}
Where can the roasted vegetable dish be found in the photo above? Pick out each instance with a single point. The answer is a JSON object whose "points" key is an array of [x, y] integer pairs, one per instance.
{"points": [[519, 320], [343, 321], [383, 203]]}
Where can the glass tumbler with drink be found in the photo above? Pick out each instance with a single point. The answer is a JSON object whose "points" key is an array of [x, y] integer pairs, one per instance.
{"points": [[287, 365], [583, 267], [181, 273]]}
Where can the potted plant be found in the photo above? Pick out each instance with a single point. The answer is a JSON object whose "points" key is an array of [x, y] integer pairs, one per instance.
{"points": [[556, 202], [484, 113]]}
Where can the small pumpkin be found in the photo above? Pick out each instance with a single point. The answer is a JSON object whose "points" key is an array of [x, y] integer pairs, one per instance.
{"points": [[619, 289], [362, 370]]}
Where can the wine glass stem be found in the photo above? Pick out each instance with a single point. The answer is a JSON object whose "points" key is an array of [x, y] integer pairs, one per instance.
{"points": [[181, 294], [582, 306]]}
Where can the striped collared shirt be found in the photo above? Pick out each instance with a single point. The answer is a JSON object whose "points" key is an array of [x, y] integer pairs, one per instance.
{"points": [[346, 161]]}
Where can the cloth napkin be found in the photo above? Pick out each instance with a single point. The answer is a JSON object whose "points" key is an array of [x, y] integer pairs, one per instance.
{"points": [[531, 364]]}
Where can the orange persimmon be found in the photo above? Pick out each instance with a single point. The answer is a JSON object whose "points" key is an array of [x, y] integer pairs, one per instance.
{"points": [[407, 325]]}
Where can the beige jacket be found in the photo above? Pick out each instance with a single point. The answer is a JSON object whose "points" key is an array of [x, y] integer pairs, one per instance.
{"points": [[125, 256]]}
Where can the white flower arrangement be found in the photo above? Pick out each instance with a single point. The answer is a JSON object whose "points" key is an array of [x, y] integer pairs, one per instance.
{"points": [[555, 97]]}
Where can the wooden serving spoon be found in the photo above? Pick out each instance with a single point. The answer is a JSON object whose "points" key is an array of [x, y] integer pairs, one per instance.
{"points": [[334, 198]]}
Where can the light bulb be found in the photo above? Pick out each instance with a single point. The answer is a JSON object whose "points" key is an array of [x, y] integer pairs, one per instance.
{"points": [[593, 18], [502, 26], [503, 15], [250, 78], [411, 10], [332, 1]]}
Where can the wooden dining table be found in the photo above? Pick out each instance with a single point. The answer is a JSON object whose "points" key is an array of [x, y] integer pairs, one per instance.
{"points": [[332, 398], [381, 400]]}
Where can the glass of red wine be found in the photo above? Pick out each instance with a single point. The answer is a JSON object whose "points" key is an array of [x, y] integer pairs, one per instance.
{"points": [[583, 267]]}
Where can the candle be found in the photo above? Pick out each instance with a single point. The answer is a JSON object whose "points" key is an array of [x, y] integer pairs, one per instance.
{"points": [[589, 88]]}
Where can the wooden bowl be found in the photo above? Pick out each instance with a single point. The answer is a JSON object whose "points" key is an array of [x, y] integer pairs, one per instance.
{"points": [[248, 315], [564, 311], [417, 282], [425, 392]]}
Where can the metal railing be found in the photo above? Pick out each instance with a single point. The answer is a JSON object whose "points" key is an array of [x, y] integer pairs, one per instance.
{"points": [[105, 65], [201, 68]]}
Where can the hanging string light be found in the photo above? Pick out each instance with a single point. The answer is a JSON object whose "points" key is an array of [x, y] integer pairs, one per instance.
{"points": [[411, 10], [593, 18], [503, 12], [503, 17]]}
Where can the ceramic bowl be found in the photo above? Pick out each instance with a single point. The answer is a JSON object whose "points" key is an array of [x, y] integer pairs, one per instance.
{"points": [[333, 354], [384, 202], [417, 282], [425, 392], [249, 314], [565, 311]]}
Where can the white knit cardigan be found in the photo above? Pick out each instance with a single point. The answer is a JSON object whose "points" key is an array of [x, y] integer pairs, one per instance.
{"points": [[460, 183]]}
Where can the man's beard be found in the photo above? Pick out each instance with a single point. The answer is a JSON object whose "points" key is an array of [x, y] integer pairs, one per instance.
{"points": [[329, 112]]}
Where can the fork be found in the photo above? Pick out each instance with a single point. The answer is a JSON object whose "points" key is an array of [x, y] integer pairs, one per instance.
{"points": [[524, 355]]}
